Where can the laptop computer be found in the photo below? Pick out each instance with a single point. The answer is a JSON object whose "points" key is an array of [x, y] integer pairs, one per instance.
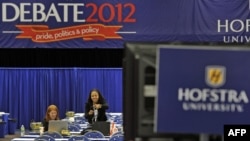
{"points": [[57, 125], [102, 126]]}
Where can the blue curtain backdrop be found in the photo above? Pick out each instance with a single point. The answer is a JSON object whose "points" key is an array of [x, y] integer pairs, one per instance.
{"points": [[25, 93]]}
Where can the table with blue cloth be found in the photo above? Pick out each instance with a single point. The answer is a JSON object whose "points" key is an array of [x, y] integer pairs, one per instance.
{"points": [[66, 138], [59, 139]]}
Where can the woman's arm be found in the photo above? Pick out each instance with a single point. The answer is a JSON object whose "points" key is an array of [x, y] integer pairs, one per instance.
{"points": [[104, 106], [88, 112], [45, 125]]}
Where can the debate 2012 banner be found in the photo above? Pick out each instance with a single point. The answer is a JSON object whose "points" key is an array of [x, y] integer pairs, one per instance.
{"points": [[201, 89], [108, 24]]}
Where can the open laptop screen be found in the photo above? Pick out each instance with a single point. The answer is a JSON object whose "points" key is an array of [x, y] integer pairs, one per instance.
{"points": [[57, 125]]}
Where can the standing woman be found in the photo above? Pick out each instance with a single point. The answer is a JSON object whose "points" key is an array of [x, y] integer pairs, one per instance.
{"points": [[98, 103], [51, 114]]}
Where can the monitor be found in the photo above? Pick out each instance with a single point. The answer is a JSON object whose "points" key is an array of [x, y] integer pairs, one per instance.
{"points": [[102, 126]]}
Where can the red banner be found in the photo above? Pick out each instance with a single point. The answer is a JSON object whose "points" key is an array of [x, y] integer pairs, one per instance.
{"points": [[42, 33]]}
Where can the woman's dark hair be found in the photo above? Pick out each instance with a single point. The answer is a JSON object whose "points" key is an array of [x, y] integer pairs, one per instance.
{"points": [[101, 100]]}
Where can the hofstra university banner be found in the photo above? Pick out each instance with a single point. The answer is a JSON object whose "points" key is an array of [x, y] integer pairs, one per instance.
{"points": [[200, 89], [108, 24]]}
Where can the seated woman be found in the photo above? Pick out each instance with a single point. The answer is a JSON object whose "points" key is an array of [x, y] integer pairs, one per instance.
{"points": [[97, 103], [51, 114]]}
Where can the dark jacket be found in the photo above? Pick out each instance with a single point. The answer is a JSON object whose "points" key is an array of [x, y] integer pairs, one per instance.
{"points": [[45, 125], [101, 112]]}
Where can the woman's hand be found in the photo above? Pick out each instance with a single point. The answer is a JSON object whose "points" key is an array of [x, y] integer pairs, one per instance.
{"points": [[97, 106], [91, 112]]}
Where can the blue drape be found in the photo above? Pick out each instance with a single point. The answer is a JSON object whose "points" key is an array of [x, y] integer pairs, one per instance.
{"points": [[25, 93]]}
